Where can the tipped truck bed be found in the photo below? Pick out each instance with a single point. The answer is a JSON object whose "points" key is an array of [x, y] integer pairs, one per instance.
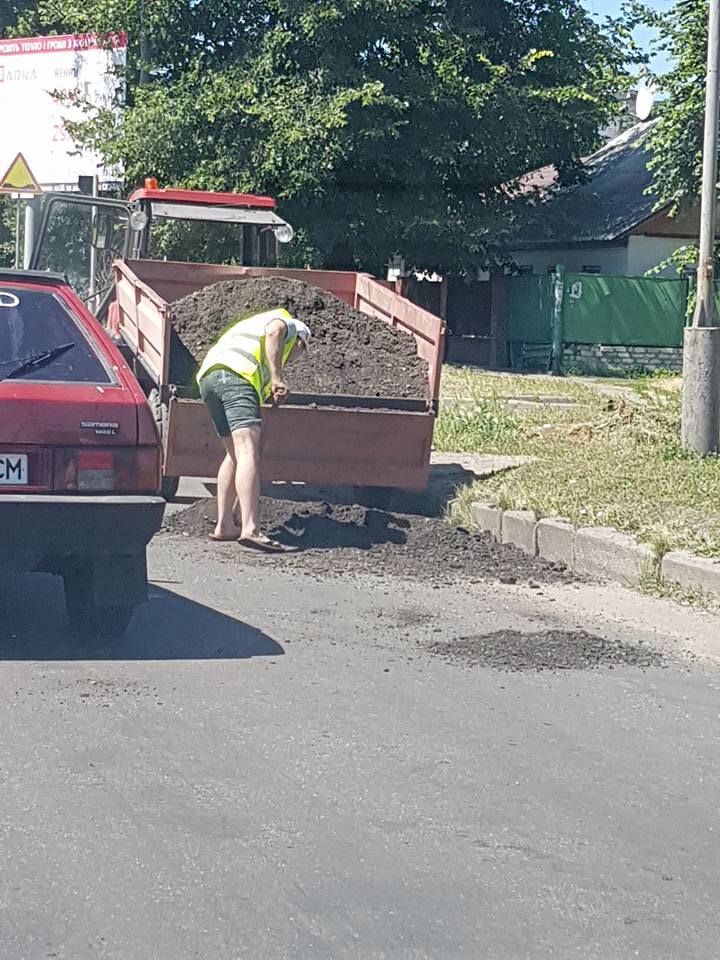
{"points": [[319, 439]]}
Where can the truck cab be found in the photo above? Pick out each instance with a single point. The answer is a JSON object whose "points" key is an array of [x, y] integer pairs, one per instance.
{"points": [[81, 236]]}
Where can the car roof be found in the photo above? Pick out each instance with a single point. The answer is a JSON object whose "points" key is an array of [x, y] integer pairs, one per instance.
{"points": [[33, 276]]}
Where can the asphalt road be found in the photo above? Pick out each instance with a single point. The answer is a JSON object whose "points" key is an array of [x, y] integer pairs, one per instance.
{"points": [[272, 765]]}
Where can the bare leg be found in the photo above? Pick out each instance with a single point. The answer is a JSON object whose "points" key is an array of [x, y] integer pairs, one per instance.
{"points": [[226, 528], [246, 441]]}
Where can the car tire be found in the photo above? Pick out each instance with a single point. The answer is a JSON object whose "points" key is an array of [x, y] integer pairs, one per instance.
{"points": [[100, 622], [90, 620], [169, 485]]}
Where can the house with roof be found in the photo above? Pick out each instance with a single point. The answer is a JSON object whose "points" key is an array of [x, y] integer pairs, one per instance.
{"points": [[608, 223]]}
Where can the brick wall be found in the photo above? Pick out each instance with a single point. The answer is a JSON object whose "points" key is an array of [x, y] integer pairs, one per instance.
{"points": [[592, 357]]}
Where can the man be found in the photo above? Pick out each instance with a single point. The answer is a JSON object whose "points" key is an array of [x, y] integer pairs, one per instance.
{"points": [[242, 370]]}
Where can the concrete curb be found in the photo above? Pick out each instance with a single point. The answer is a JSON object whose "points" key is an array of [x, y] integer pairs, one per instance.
{"points": [[519, 527], [690, 572], [605, 553], [488, 519], [556, 541], [597, 551]]}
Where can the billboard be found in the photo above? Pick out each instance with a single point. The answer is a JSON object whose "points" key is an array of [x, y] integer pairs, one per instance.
{"points": [[33, 70]]}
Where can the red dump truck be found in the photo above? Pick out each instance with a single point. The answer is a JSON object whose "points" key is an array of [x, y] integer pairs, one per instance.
{"points": [[331, 440]]}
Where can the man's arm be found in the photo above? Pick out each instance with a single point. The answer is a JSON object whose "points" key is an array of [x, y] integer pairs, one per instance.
{"points": [[274, 343]]}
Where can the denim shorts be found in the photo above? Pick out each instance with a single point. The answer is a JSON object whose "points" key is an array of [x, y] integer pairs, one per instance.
{"points": [[231, 399]]}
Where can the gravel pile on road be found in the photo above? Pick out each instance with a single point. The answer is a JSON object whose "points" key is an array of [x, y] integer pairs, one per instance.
{"points": [[351, 353], [339, 540], [512, 650]]}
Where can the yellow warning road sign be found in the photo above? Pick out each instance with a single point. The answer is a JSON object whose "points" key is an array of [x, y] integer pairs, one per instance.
{"points": [[19, 178]]}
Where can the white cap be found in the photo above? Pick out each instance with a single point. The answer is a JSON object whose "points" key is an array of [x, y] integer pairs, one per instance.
{"points": [[302, 330]]}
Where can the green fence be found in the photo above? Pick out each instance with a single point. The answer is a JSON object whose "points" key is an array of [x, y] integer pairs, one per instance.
{"points": [[613, 311], [529, 305], [624, 311]]}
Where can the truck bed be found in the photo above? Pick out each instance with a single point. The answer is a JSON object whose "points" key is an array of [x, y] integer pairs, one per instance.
{"points": [[350, 440]]}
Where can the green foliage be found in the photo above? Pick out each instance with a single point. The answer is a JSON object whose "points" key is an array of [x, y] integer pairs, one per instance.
{"points": [[381, 126], [676, 140], [487, 425], [11, 11]]}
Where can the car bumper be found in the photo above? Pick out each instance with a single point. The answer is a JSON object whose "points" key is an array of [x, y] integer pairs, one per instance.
{"points": [[39, 530]]}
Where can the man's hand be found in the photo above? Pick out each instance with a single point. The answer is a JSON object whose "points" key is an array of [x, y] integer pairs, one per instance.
{"points": [[280, 392]]}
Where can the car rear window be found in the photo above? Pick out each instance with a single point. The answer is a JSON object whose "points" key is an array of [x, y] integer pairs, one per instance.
{"points": [[32, 322]]}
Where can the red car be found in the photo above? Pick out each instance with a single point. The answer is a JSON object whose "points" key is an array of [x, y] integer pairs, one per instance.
{"points": [[79, 454]]}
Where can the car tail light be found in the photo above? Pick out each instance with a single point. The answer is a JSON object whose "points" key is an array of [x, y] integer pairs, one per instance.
{"points": [[102, 470]]}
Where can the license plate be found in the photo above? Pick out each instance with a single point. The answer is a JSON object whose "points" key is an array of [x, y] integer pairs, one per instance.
{"points": [[13, 469]]}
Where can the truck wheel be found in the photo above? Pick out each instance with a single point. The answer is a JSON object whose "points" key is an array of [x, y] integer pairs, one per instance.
{"points": [[169, 485]]}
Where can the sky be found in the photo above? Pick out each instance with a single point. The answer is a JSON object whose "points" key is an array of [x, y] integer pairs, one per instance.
{"points": [[612, 8]]}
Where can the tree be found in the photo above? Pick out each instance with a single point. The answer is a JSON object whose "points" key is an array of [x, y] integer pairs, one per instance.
{"points": [[11, 12], [381, 127], [676, 141]]}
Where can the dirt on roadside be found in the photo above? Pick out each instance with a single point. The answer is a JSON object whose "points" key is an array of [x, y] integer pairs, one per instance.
{"points": [[341, 541], [349, 539], [513, 650], [351, 353]]}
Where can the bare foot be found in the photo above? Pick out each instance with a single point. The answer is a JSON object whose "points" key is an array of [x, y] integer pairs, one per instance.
{"points": [[225, 536]]}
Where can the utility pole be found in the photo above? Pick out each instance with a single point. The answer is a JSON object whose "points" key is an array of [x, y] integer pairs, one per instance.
{"points": [[701, 364]]}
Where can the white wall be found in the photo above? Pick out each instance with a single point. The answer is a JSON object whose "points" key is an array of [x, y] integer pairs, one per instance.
{"points": [[644, 253], [611, 260], [634, 259]]}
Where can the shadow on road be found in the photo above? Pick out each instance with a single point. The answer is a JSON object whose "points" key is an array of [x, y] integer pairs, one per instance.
{"points": [[33, 626]]}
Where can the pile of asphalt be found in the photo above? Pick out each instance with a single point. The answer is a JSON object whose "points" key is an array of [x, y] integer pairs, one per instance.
{"points": [[513, 651], [351, 353], [349, 539]]}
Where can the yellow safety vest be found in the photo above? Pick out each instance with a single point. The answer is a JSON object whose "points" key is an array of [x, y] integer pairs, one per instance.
{"points": [[241, 348]]}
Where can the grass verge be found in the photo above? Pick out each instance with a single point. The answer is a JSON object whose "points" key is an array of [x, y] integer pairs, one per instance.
{"points": [[602, 460], [653, 586]]}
